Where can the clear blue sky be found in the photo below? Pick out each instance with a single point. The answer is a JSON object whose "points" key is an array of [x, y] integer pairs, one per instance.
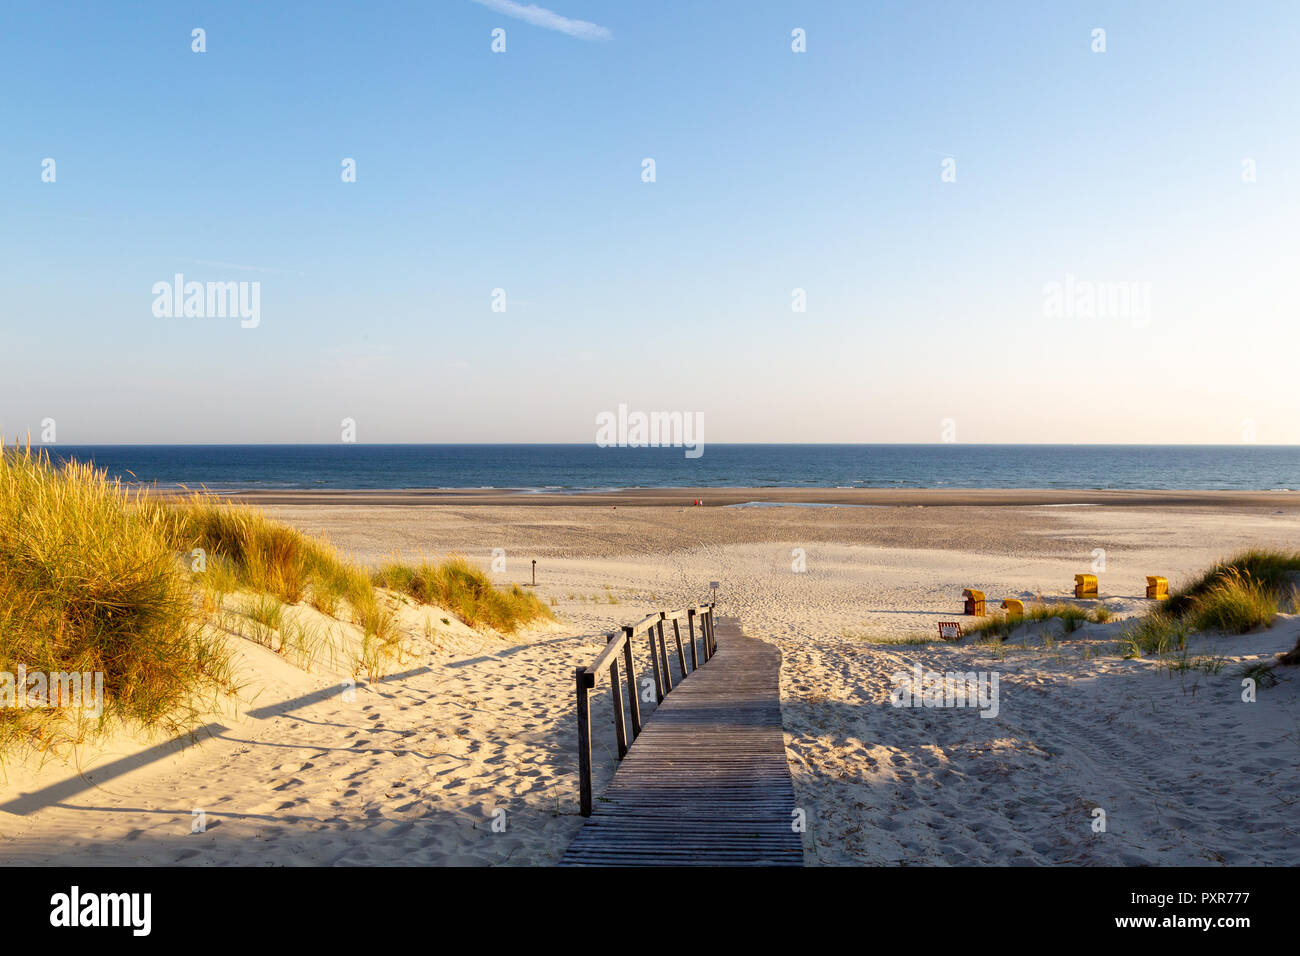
{"points": [[775, 171]]}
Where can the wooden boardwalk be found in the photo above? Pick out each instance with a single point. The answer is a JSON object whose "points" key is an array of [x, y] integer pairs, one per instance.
{"points": [[706, 782]]}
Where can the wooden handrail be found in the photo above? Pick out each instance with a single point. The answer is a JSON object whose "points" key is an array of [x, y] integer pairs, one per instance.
{"points": [[649, 621], [607, 656], [617, 643]]}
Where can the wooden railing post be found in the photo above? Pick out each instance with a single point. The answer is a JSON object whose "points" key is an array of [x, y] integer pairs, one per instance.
{"points": [[663, 653], [586, 678], [633, 692], [681, 655], [616, 689], [654, 659], [584, 745]]}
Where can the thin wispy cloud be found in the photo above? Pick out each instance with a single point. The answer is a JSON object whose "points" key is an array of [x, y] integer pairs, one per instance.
{"points": [[548, 19]]}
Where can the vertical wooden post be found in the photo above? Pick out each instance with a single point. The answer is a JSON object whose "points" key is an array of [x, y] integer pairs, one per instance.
{"points": [[616, 689], [708, 628], [690, 626], [681, 655], [663, 653], [584, 745], [654, 659], [633, 692]]}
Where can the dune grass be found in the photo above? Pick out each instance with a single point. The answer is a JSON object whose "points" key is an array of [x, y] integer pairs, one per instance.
{"points": [[1233, 597], [95, 577], [1235, 603], [999, 626], [1262, 673], [910, 639], [1238, 595], [265, 613], [90, 582], [1274, 571], [263, 555], [1154, 633], [466, 591], [244, 549]]}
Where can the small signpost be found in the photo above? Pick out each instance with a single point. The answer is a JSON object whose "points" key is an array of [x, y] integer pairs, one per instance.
{"points": [[714, 586], [949, 631], [534, 572]]}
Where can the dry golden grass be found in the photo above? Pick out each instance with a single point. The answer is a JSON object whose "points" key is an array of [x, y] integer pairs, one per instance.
{"points": [[1234, 603], [465, 590], [999, 626], [1267, 571], [90, 582]]}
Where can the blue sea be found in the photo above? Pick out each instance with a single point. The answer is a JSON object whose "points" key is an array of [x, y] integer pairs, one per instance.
{"points": [[577, 468]]}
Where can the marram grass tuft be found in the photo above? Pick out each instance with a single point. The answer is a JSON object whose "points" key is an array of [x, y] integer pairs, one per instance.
{"points": [[464, 589], [90, 582]]}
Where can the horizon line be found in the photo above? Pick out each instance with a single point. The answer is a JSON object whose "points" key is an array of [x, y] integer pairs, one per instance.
{"points": [[574, 444]]}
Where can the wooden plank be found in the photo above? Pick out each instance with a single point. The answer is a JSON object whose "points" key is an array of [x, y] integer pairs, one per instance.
{"points": [[706, 782]]}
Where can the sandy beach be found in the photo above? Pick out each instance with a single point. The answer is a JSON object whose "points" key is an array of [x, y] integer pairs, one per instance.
{"points": [[713, 497], [465, 752]]}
